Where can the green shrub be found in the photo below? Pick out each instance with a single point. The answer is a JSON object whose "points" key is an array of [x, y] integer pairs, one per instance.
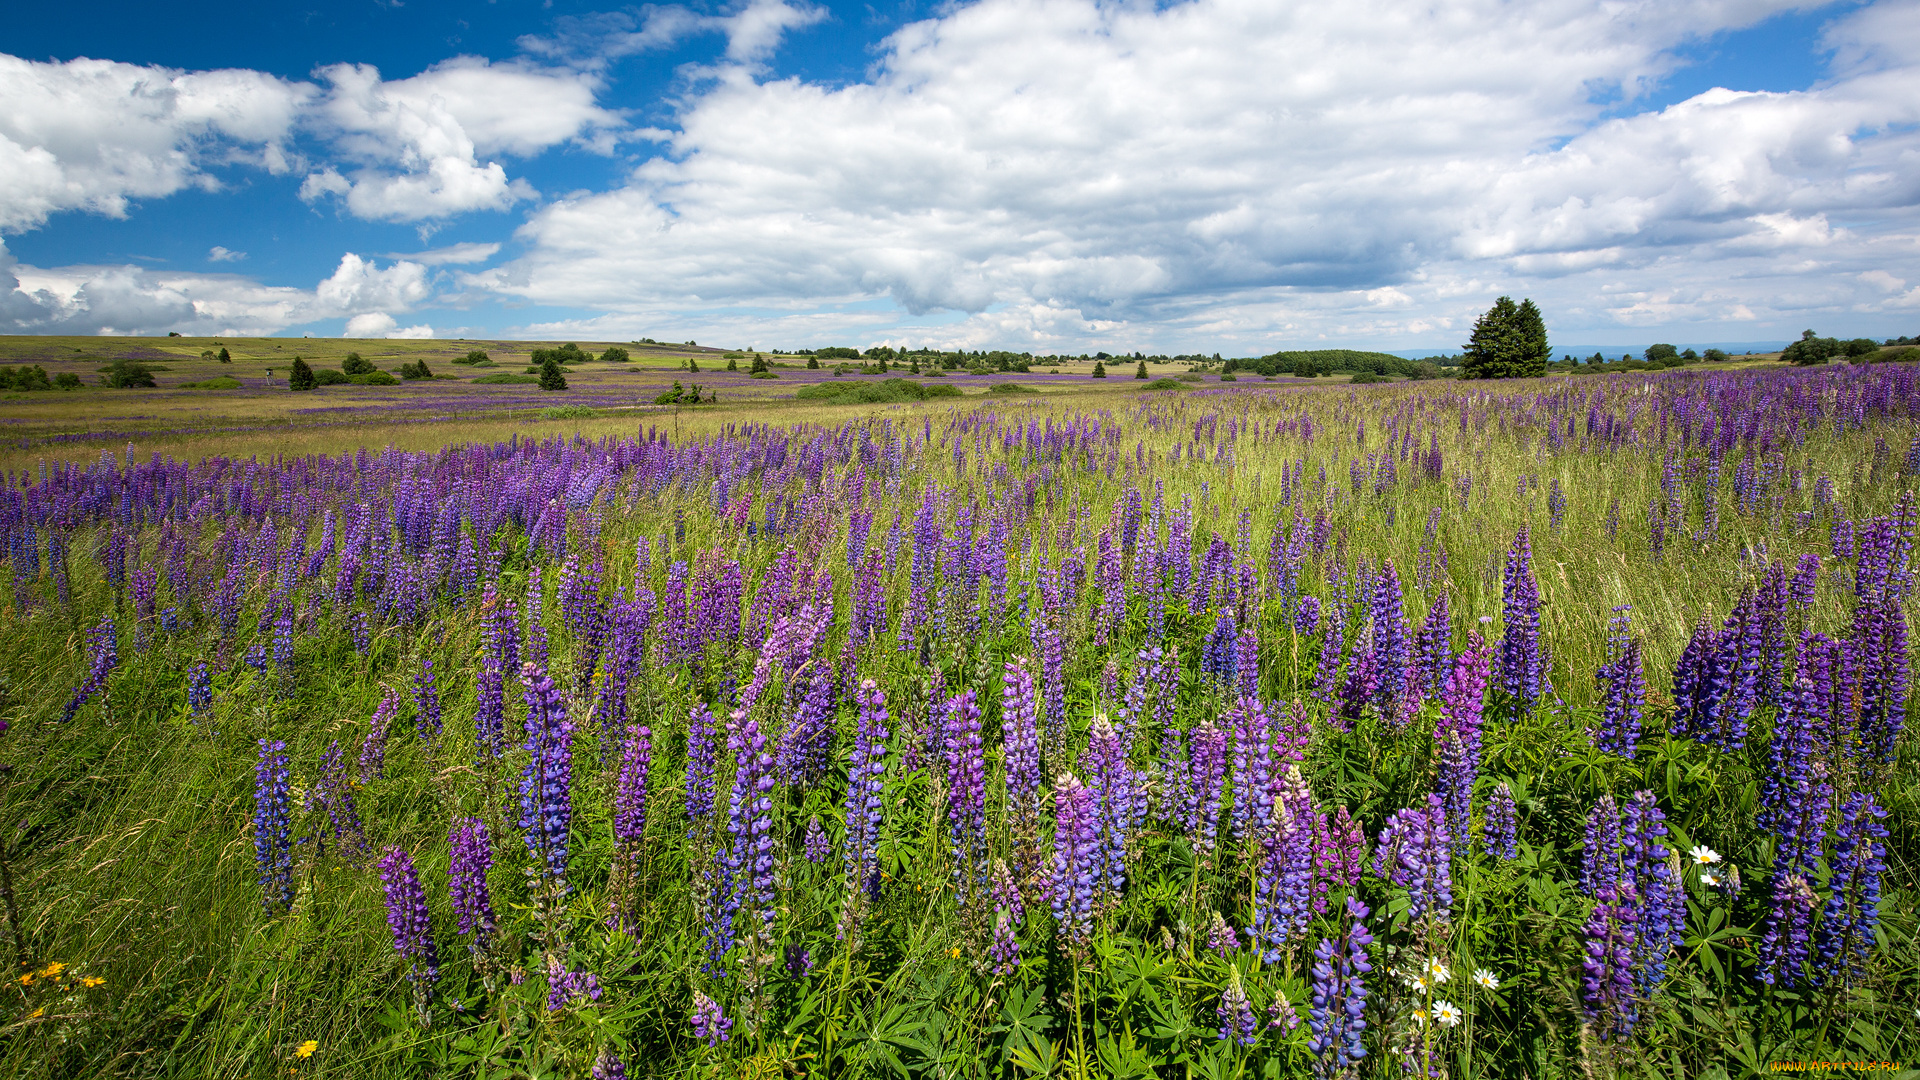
{"points": [[25, 377], [1010, 388], [416, 370], [374, 378], [124, 374], [763, 375], [1229, 378], [615, 355], [67, 380], [880, 393], [476, 357], [355, 364], [550, 376], [301, 377], [329, 377], [1191, 376], [507, 378], [565, 354], [567, 412], [1164, 384], [220, 382], [1368, 377], [536, 369]]}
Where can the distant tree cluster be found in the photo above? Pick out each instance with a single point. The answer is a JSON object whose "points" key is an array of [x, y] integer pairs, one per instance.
{"points": [[1313, 363], [25, 377], [565, 354], [1813, 349]]}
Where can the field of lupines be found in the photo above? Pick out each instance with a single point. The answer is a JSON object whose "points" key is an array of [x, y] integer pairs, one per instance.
{"points": [[1542, 729]]}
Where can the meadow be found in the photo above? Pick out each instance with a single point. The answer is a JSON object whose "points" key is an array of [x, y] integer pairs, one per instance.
{"points": [[1548, 728]]}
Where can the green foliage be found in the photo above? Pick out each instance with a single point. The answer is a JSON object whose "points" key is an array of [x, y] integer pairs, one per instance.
{"points": [[374, 378], [417, 369], [67, 380], [507, 378], [1140, 370], [837, 352], [476, 357], [615, 355], [330, 377], [733, 363], [1657, 353], [568, 412], [1714, 356], [24, 377], [813, 363], [1368, 377], [355, 364], [1010, 388], [881, 393], [225, 356], [301, 377], [1099, 369], [1314, 362], [125, 374], [550, 376], [565, 354], [689, 396], [763, 375], [220, 382], [1508, 342], [1165, 384], [759, 365], [1812, 349], [1860, 347]]}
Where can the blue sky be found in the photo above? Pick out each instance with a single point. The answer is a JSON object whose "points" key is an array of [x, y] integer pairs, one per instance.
{"points": [[1055, 175]]}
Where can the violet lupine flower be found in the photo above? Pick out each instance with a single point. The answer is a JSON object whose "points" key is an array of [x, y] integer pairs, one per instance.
{"points": [[700, 765], [373, 750], [546, 789], [1433, 652], [199, 688], [1306, 616], [750, 816], [1415, 852], [816, 847], [408, 919], [1623, 689], [1009, 911], [426, 702], [1326, 677], [1853, 909], [630, 791], [710, 1025], [566, 986], [608, 1066], [799, 961], [1236, 1013], [1662, 903], [1075, 851], [1252, 733], [806, 746], [1462, 702], [1601, 861], [1501, 836], [1221, 939], [866, 802], [1020, 733], [333, 796], [102, 656], [1392, 651], [966, 788], [1363, 679], [1523, 669], [1607, 988], [1113, 783], [472, 857], [1206, 773], [1336, 1019], [1217, 657], [1339, 847], [1283, 877], [1791, 759], [273, 827], [1246, 663]]}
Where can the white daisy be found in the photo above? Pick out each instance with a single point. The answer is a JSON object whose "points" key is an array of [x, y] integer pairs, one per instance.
{"points": [[1447, 1013], [1438, 971], [1709, 879], [1486, 979], [1704, 855]]}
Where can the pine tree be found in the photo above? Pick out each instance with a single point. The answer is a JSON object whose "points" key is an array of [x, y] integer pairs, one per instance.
{"points": [[759, 365], [550, 377], [225, 356], [1099, 370], [1509, 342], [301, 378], [1141, 371]]}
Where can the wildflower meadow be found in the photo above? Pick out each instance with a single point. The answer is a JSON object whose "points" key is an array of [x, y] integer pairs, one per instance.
{"points": [[1545, 728]]}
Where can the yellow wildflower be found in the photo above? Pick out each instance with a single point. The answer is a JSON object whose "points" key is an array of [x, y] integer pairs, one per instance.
{"points": [[37, 1013], [53, 970], [307, 1048], [91, 981]]}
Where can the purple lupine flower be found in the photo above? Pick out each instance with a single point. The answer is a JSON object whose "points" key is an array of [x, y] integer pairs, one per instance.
{"points": [[799, 961], [817, 847], [1009, 911], [608, 1066], [1415, 852], [1336, 1019], [102, 656], [199, 688], [1339, 847], [1847, 925], [1601, 860], [1221, 939], [1462, 701], [1523, 668], [710, 1025], [700, 765], [1662, 903], [1075, 851], [546, 789], [273, 826], [1020, 733], [750, 816], [408, 919], [1306, 616], [1246, 662], [1326, 678], [1252, 733], [426, 702], [1283, 877], [1206, 773], [1236, 1013], [1113, 784], [1623, 689], [566, 986], [1501, 837], [806, 746], [1053, 683], [1392, 649], [373, 749], [333, 796], [1434, 645], [472, 857], [963, 757], [630, 791], [1363, 679], [866, 803], [1607, 987], [1791, 759], [1217, 655]]}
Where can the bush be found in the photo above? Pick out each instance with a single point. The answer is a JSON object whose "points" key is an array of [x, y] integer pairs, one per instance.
{"points": [[1010, 388], [374, 378], [329, 377], [124, 374], [763, 375], [416, 370], [615, 355], [477, 356], [67, 380], [26, 378], [689, 396], [1713, 356], [1368, 377], [813, 364], [507, 378], [567, 412], [355, 364], [1229, 378], [301, 377], [1099, 369], [225, 356], [220, 382], [565, 354], [536, 369], [1164, 384], [881, 393], [1191, 376], [550, 376]]}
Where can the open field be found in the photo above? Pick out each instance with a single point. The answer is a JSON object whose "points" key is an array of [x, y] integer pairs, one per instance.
{"points": [[404, 731]]}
